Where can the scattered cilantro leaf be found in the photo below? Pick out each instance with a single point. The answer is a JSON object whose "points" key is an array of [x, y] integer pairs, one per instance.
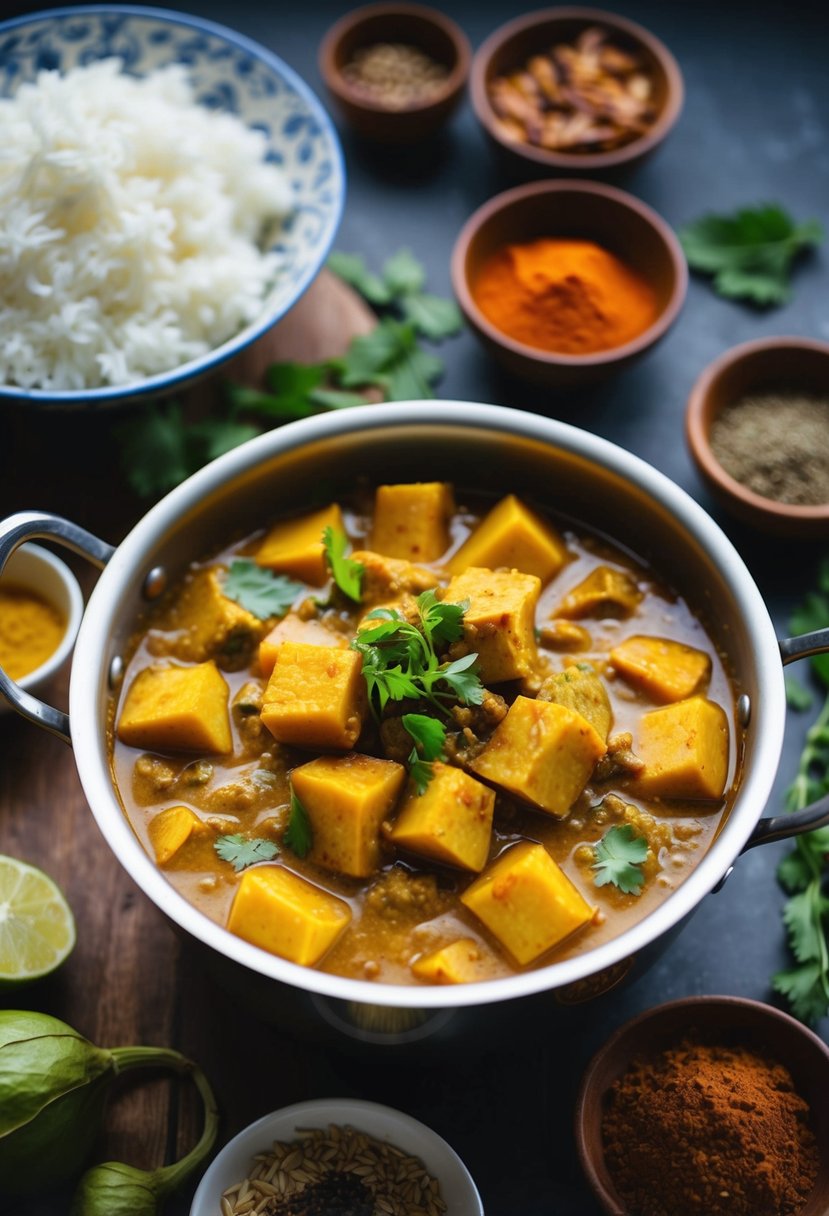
{"points": [[154, 451], [429, 737], [749, 253], [371, 356], [798, 697], [619, 854], [255, 401], [335, 398], [347, 574], [803, 987], [259, 590], [412, 375], [220, 435], [243, 851], [403, 274], [432, 316], [352, 269], [298, 837], [462, 677]]}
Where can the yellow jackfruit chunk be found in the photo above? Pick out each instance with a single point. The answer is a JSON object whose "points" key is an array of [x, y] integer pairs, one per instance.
{"points": [[580, 688], [527, 902], [412, 521], [315, 696], [663, 670], [177, 709], [281, 912], [541, 752], [347, 798], [458, 963], [499, 623], [512, 535], [295, 546], [171, 829], [293, 628], [451, 821], [211, 623], [604, 593], [684, 748]]}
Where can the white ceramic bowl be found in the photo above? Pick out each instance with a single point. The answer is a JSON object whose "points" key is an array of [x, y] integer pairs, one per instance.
{"points": [[231, 73], [233, 1162], [38, 570]]}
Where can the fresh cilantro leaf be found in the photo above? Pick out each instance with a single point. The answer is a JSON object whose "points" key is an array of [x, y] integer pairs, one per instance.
{"points": [[619, 854], [803, 917], [294, 381], [750, 252], [299, 836], [462, 677], [432, 316], [442, 621], [794, 873], [352, 269], [798, 696], [154, 450], [804, 989], [243, 851], [347, 574], [260, 591], [335, 398], [253, 400], [413, 375], [370, 356], [421, 772], [429, 735], [813, 614], [220, 435], [403, 274]]}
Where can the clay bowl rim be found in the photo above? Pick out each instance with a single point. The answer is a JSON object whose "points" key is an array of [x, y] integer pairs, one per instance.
{"points": [[636, 148], [698, 422], [337, 84], [730, 1008], [615, 196]]}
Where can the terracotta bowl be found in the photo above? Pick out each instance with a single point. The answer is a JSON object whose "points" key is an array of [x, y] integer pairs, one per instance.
{"points": [[768, 363], [749, 1023], [512, 44], [427, 29], [583, 210]]}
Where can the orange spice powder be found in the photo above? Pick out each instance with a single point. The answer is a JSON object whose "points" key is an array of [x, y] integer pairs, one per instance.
{"points": [[565, 297]]}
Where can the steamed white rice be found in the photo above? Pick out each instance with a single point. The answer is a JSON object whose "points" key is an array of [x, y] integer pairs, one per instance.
{"points": [[131, 218]]}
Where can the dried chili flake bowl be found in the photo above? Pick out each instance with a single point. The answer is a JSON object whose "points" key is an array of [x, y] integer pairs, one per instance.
{"points": [[575, 89], [301, 1159]]}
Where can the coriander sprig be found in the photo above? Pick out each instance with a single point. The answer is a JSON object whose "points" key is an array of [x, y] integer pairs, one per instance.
{"points": [[243, 851], [619, 855], [259, 590], [346, 573], [299, 836], [429, 737], [400, 660]]}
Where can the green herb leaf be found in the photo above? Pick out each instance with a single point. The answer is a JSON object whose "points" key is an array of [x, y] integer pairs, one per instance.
{"points": [[794, 873], [259, 590], [797, 696], [403, 274], [154, 450], [803, 988], [749, 253], [219, 435], [370, 356], [442, 621], [619, 854], [351, 268], [243, 851], [429, 735], [299, 836], [432, 316], [335, 398], [413, 376], [252, 400], [347, 574], [462, 677]]}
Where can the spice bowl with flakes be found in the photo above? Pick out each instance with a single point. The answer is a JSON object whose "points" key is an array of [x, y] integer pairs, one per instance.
{"points": [[757, 425], [575, 90], [567, 282], [395, 72], [714, 1104], [334, 1155]]}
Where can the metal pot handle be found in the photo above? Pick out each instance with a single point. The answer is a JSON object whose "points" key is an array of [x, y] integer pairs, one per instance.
{"points": [[38, 525], [782, 827]]}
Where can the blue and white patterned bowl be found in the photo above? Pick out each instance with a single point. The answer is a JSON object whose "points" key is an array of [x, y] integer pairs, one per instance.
{"points": [[229, 72]]}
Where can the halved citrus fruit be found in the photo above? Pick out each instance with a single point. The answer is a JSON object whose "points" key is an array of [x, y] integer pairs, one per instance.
{"points": [[37, 929]]}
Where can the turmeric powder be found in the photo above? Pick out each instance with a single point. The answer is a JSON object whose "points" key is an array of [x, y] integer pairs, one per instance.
{"points": [[563, 296], [30, 630]]}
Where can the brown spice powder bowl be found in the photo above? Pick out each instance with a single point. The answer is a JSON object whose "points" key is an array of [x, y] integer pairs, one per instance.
{"points": [[730, 1020], [580, 210], [510, 46], [427, 29], [768, 364]]}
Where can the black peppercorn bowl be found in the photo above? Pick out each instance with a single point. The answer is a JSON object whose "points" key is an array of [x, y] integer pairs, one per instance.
{"points": [[730, 1021]]}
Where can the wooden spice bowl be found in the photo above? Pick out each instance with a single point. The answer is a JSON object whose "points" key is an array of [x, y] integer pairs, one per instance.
{"points": [[509, 48], [767, 364], [724, 1019], [429, 31], [581, 210]]}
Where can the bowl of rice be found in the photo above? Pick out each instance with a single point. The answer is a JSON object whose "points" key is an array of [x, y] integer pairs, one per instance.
{"points": [[169, 189]]}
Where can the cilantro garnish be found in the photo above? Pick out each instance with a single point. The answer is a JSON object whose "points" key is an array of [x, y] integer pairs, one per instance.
{"points": [[619, 854], [259, 590], [299, 835], [749, 253], [400, 284], [400, 660], [802, 872], [429, 737], [243, 851], [346, 573]]}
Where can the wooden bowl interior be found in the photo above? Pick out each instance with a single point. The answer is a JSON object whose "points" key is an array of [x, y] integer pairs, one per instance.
{"points": [[583, 216], [723, 1022], [393, 26], [766, 369]]}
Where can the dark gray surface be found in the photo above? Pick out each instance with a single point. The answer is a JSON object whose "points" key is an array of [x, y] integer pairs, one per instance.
{"points": [[753, 129]]}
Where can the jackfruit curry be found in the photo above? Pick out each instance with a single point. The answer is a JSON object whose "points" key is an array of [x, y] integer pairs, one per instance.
{"points": [[473, 744]]}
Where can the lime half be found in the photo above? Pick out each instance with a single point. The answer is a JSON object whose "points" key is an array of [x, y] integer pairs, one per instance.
{"points": [[37, 929]]}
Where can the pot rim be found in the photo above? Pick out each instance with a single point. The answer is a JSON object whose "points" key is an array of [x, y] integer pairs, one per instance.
{"points": [[89, 684]]}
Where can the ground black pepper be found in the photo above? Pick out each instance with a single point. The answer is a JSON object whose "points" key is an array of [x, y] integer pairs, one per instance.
{"points": [[338, 1194], [776, 444]]}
